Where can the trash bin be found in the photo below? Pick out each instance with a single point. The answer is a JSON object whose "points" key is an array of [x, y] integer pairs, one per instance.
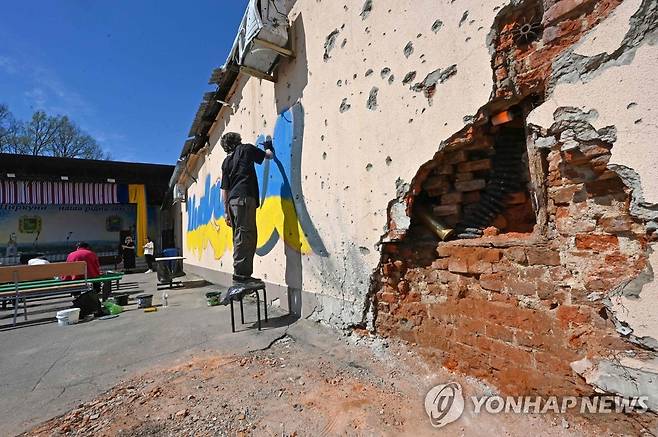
{"points": [[169, 269], [144, 300], [121, 299]]}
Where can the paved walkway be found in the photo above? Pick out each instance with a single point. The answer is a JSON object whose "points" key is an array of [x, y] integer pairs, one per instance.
{"points": [[46, 370]]}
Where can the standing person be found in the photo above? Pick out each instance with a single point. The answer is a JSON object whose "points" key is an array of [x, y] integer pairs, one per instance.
{"points": [[149, 250], [241, 199], [12, 246], [128, 253]]}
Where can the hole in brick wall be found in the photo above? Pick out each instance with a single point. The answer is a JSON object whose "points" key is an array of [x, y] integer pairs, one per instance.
{"points": [[477, 186]]}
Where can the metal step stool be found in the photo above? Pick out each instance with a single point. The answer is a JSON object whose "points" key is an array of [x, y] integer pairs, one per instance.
{"points": [[238, 292]]}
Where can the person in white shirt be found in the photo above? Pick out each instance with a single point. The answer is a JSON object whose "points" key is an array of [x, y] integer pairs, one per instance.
{"points": [[149, 250]]}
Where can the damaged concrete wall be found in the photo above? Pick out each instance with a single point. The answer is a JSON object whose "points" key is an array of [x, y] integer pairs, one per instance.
{"points": [[570, 302], [356, 142], [378, 92]]}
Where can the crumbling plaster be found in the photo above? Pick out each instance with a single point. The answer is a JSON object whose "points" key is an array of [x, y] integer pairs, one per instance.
{"points": [[621, 97]]}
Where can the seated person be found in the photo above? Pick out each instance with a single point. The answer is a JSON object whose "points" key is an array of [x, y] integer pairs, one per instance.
{"points": [[89, 302], [38, 260], [84, 253]]}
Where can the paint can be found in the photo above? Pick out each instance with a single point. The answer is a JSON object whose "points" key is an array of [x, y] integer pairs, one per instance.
{"points": [[212, 297]]}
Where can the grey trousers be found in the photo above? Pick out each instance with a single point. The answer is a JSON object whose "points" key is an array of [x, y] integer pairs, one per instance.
{"points": [[245, 235]]}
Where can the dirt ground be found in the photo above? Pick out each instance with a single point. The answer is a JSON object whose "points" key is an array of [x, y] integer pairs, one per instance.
{"points": [[306, 383]]}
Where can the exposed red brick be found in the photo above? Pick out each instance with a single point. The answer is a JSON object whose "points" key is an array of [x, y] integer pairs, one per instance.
{"points": [[541, 256], [616, 223], [472, 197], [563, 195], [597, 242], [498, 332], [572, 315], [470, 166], [458, 265], [388, 297], [493, 281], [443, 210], [473, 185], [451, 198], [463, 176]]}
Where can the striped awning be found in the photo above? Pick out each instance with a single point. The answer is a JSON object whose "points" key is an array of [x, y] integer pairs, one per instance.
{"points": [[57, 193]]}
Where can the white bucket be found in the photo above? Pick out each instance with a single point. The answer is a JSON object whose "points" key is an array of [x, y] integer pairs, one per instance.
{"points": [[68, 317]]}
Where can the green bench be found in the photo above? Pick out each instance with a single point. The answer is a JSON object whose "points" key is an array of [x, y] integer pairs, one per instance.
{"points": [[18, 283]]}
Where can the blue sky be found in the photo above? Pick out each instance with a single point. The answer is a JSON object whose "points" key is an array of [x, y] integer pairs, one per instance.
{"points": [[129, 72]]}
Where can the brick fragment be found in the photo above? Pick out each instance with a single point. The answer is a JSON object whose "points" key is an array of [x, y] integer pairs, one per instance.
{"points": [[472, 185], [451, 198], [493, 281], [435, 182], [463, 176], [542, 256], [458, 265], [443, 210], [563, 195], [597, 242], [469, 166], [456, 157]]}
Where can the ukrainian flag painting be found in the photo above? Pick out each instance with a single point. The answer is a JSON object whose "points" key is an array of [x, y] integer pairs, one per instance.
{"points": [[282, 214]]}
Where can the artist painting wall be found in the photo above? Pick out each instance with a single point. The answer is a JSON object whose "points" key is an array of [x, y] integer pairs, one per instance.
{"points": [[372, 93]]}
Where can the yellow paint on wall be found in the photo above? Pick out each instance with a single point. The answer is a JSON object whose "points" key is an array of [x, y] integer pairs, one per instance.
{"points": [[276, 215]]}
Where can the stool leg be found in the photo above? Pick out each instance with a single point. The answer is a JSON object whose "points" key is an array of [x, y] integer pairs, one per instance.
{"points": [[265, 303], [15, 308], [232, 317], [258, 308], [25, 307], [241, 311]]}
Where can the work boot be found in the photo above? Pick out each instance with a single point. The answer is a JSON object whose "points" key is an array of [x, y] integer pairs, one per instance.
{"points": [[233, 293]]}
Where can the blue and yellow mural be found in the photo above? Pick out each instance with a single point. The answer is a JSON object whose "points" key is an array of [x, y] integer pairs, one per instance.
{"points": [[282, 213]]}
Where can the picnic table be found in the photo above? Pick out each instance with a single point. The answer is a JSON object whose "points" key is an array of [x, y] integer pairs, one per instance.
{"points": [[18, 283]]}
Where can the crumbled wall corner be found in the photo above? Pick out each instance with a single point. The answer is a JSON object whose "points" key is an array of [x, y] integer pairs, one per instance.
{"points": [[640, 208], [623, 375], [571, 67]]}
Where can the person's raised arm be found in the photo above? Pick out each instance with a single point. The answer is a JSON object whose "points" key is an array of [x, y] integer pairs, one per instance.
{"points": [[269, 148]]}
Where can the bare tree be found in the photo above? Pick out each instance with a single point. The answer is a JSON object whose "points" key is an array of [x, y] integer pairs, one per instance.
{"points": [[47, 135], [7, 127], [71, 142], [38, 135]]}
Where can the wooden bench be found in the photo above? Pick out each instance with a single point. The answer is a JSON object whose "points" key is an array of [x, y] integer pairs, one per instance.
{"points": [[18, 283]]}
